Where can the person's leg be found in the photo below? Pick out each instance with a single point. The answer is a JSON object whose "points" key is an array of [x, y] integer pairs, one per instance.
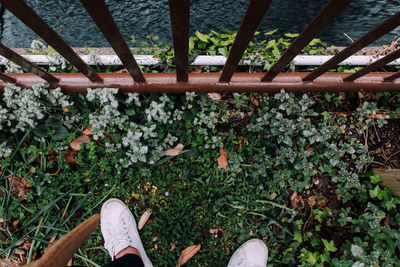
{"points": [[121, 236], [253, 253]]}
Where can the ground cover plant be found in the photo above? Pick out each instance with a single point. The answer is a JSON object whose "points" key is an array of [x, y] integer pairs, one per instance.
{"points": [[212, 170]]}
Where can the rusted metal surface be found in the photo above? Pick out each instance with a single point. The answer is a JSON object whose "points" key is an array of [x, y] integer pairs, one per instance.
{"points": [[393, 77], [373, 35], [7, 79], [374, 66], [26, 14], [320, 21], [101, 15], [252, 18], [26, 64], [183, 81], [180, 18], [209, 82]]}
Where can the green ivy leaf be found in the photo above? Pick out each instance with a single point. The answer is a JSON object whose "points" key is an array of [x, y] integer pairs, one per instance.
{"points": [[42, 131], [271, 32], [291, 35], [330, 246], [376, 179], [202, 37], [298, 236], [61, 134]]}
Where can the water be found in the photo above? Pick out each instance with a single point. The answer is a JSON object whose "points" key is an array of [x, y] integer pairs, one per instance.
{"points": [[151, 17]]}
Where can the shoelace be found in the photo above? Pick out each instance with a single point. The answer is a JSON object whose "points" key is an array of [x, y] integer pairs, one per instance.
{"points": [[116, 239]]}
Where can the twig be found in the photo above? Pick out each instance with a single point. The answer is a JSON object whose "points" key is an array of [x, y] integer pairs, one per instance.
{"points": [[345, 34]]}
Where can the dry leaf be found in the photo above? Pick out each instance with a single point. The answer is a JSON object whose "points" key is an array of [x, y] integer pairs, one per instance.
{"points": [[143, 219], [311, 201], [387, 221], [121, 71], [215, 96], [173, 247], [88, 130], [188, 253], [223, 158], [52, 155], [322, 203], [19, 187], [51, 244], [297, 201], [69, 157], [76, 144], [174, 151], [255, 101]]}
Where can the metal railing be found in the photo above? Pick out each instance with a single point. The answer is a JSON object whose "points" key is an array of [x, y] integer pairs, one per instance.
{"points": [[228, 81]]}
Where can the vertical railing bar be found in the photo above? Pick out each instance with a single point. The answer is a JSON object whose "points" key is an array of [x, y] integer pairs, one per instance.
{"points": [[7, 78], [104, 20], [29, 17], [374, 66], [392, 78], [26, 64], [179, 11], [252, 18], [320, 21], [373, 35]]}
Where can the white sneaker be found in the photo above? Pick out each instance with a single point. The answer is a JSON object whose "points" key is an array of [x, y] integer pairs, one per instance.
{"points": [[119, 229], [253, 253]]}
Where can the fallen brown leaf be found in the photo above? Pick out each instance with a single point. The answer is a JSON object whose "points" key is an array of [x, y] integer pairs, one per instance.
{"points": [[51, 243], [69, 157], [322, 203], [143, 219], [255, 101], [19, 186], [187, 254], [297, 201], [88, 130], [173, 247], [223, 158], [51, 155], [76, 144], [311, 201], [215, 96], [121, 71], [387, 221], [174, 151]]}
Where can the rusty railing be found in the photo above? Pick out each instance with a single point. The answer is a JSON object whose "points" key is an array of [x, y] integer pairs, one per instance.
{"points": [[228, 81]]}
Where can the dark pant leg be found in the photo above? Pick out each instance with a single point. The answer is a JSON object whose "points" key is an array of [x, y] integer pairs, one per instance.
{"points": [[128, 260]]}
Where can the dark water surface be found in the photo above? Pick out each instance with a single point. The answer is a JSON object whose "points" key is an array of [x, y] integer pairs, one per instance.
{"points": [[151, 17]]}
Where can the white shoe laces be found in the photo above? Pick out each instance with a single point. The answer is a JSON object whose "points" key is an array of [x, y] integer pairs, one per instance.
{"points": [[117, 237]]}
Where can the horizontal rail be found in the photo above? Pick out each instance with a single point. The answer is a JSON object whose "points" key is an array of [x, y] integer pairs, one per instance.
{"points": [[393, 77], [26, 64], [7, 78], [209, 82]]}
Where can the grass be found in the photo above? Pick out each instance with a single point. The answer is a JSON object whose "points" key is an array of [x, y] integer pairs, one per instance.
{"points": [[274, 151]]}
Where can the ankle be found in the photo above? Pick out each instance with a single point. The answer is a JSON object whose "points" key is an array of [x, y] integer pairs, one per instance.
{"points": [[128, 250]]}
